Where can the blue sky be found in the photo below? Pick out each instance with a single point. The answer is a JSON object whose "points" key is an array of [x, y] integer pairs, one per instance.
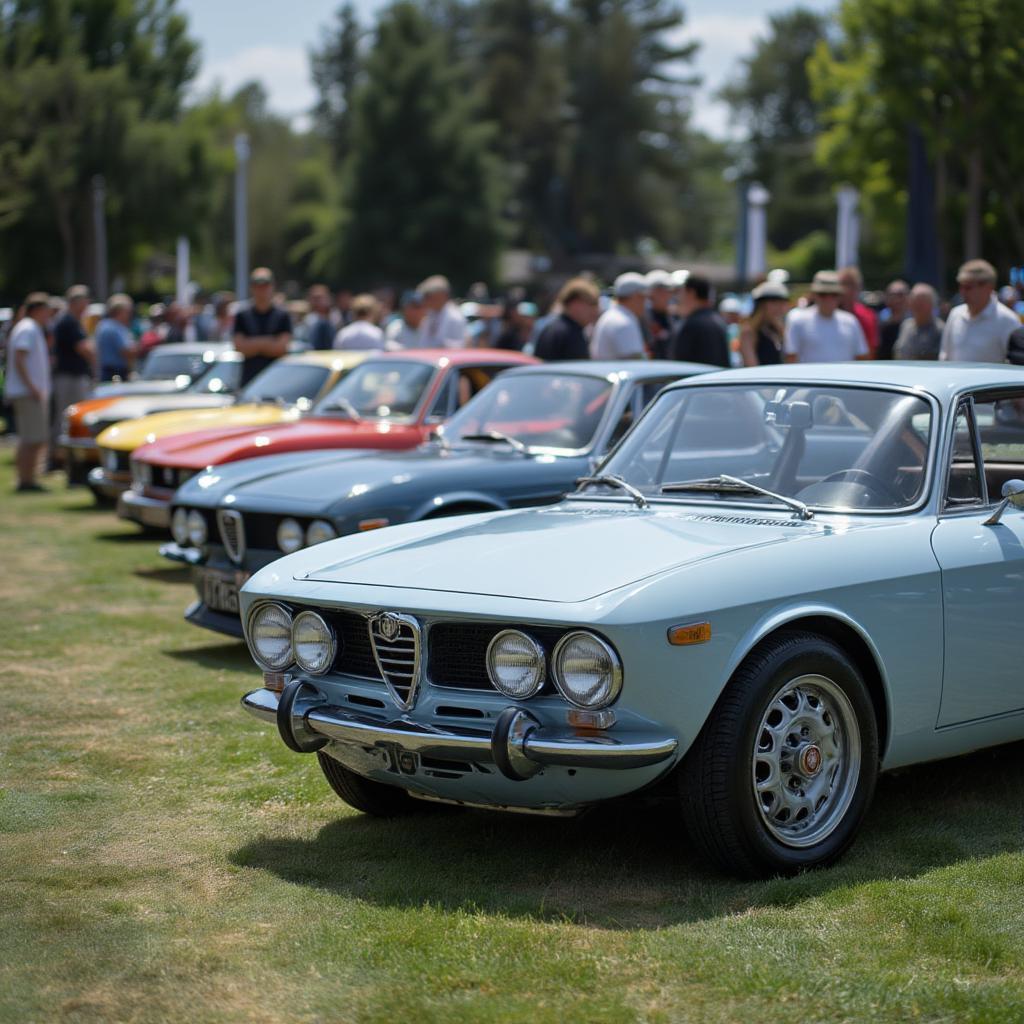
{"points": [[268, 40]]}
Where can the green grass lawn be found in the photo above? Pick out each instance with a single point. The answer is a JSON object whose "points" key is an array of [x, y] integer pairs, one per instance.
{"points": [[164, 858]]}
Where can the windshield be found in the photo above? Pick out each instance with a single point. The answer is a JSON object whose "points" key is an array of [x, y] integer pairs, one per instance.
{"points": [[822, 445], [168, 365], [291, 383], [221, 378], [378, 390], [538, 410]]}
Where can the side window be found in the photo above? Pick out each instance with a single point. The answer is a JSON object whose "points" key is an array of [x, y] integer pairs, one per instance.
{"points": [[442, 406], [964, 485], [473, 379], [640, 397], [999, 422]]}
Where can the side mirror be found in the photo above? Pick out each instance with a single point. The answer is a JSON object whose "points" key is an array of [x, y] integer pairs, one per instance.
{"points": [[1013, 494]]}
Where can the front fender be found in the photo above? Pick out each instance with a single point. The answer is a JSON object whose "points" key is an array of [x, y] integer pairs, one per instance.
{"points": [[483, 502]]}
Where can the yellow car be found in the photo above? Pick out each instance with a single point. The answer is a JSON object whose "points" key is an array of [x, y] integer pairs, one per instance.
{"points": [[283, 391]]}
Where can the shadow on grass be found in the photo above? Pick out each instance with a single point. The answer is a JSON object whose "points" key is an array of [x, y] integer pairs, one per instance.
{"points": [[165, 574], [133, 536], [231, 654], [630, 864]]}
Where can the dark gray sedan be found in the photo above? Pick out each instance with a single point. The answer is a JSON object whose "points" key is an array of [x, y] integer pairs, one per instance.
{"points": [[524, 440]]}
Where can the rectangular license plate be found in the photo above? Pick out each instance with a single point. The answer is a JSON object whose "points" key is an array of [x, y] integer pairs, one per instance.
{"points": [[220, 594]]}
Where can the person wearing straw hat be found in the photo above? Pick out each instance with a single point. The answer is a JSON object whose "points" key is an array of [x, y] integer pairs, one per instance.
{"points": [[824, 333]]}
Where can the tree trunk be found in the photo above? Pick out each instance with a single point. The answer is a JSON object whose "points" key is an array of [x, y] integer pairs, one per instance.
{"points": [[972, 215]]}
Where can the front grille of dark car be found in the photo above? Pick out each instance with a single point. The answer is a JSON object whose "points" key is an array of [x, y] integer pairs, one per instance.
{"points": [[164, 476], [115, 461], [457, 652], [261, 530], [355, 654], [232, 533]]}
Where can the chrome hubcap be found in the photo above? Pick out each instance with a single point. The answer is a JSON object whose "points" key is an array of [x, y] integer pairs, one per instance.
{"points": [[806, 760]]}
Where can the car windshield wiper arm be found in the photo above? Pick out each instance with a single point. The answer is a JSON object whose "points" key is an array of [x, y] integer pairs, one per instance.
{"points": [[497, 435], [341, 405], [723, 483], [616, 481]]}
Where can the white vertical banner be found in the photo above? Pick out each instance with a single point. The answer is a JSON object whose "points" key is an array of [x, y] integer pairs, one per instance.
{"points": [[758, 198], [181, 295], [847, 226]]}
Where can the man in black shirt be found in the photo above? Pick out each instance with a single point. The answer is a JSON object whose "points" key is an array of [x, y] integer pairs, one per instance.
{"points": [[73, 358], [703, 336], [563, 337], [262, 330]]}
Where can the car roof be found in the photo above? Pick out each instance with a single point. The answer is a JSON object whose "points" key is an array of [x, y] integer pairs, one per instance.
{"points": [[185, 348], [456, 356], [333, 359], [620, 369], [943, 380]]}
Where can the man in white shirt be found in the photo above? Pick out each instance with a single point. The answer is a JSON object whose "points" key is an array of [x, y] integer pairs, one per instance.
{"points": [[824, 333], [27, 387], [363, 333], [618, 333], [404, 330], [444, 326], [978, 331]]}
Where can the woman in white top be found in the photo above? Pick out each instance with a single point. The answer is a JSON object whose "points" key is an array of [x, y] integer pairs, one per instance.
{"points": [[363, 333]]}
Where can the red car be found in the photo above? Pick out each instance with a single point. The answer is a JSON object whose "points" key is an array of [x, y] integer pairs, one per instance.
{"points": [[391, 401]]}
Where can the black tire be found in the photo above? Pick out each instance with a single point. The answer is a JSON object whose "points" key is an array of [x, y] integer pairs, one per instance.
{"points": [[721, 810], [364, 794]]}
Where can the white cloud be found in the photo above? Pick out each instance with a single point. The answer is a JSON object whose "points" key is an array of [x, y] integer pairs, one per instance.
{"points": [[283, 71]]}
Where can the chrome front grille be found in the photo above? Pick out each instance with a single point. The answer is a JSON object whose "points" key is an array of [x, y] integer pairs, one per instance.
{"points": [[232, 533], [396, 643]]}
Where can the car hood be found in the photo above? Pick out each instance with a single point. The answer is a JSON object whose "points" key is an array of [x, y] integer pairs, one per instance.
{"points": [[566, 553], [136, 387], [134, 406], [214, 449], [319, 485], [131, 434]]}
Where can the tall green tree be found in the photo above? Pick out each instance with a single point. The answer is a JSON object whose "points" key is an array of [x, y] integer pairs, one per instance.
{"points": [[949, 70], [629, 106], [519, 70], [772, 102], [421, 185], [87, 88], [335, 67]]}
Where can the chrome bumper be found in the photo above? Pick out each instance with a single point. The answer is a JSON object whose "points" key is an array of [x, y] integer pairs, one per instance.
{"points": [[519, 746], [103, 483], [142, 509]]}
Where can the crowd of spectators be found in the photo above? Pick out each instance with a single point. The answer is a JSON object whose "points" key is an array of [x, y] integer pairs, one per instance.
{"points": [[57, 349]]}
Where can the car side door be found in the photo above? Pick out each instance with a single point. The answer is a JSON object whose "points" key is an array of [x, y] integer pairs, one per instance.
{"points": [[982, 561]]}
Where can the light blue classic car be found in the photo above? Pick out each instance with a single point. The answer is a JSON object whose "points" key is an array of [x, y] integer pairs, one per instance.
{"points": [[781, 582]]}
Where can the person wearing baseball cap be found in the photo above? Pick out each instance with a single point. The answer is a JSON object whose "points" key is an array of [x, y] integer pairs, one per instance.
{"points": [[824, 333], [619, 333], [660, 321], [979, 329], [263, 331]]}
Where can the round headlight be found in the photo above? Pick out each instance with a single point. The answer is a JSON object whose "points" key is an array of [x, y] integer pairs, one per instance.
{"points": [[179, 526], [270, 636], [196, 525], [318, 531], [515, 664], [587, 671], [313, 643], [289, 536]]}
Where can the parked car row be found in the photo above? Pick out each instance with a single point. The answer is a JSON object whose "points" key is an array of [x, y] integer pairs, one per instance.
{"points": [[470, 578]]}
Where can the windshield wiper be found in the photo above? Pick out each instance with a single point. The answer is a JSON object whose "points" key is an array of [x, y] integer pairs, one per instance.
{"points": [[724, 483], [339, 404], [616, 481], [497, 436]]}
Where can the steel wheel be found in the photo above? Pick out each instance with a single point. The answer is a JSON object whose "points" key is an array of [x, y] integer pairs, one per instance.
{"points": [[806, 760]]}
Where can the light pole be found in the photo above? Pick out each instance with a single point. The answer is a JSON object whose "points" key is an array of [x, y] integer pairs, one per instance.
{"points": [[758, 198], [241, 215], [847, 226]]}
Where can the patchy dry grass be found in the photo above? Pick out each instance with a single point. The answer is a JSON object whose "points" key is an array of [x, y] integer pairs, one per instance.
{"points": [[164, 858]]}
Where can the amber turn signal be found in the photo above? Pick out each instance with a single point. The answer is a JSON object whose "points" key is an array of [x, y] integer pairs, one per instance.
{"points": [[274, 681], [692, 633], [372, 524], [578, 718]]}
